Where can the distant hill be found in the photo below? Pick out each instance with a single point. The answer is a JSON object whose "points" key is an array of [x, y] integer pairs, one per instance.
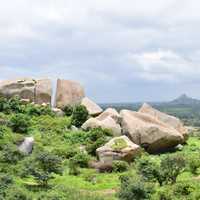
{"points": [[185, 100]]}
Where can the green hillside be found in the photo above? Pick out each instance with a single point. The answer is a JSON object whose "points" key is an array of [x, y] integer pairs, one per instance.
{"points": [[59, 169]]}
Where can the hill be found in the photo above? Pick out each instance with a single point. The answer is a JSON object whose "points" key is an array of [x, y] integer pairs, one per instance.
{"points": [[185, 100]]}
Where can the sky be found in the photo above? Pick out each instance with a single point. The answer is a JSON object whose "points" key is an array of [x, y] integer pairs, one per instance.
{"points": [[119, 50]]}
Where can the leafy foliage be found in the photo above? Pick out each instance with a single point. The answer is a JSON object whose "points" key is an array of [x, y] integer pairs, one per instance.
{"points": [[20, 123], [79, 115]]}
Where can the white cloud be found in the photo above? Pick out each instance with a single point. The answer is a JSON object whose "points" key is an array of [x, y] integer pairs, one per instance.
{"points": [[114, 43]]}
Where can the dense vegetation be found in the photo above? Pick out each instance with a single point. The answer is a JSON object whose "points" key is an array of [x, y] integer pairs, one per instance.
{"points": [[59, 166]]}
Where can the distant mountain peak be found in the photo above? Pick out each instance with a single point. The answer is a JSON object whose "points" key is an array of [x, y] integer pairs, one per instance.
{"points": [[186, 100]]}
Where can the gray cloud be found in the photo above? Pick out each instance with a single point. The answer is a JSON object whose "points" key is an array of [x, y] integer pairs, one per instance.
{"points": [[119, 50]]}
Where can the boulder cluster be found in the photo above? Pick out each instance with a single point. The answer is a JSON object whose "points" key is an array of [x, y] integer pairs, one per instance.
{"points": [[147, 128]]}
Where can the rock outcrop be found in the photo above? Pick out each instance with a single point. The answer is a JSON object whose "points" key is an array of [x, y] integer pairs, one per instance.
{"points": [[168, 119], [38, 91], [148, 132], [112, 113], [24, 88], [43, 91], [68, 93], [118, 148], [92, 107], [27, 145], [107, 123]]}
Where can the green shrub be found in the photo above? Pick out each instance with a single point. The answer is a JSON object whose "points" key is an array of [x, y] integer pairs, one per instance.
{"points": [[149, 168], [73, 167], [120, 166], [97, 137], [43, 165], [68, 110], [183, 189], [37, 110], [4, 105], [133, 189], [194, 164], [5, 181], [19, 123], [81, 159], [10, 154], [79, 115], [16, 193], [172, 166]]}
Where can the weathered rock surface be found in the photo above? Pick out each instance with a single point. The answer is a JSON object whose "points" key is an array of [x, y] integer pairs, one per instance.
{"points": [[107, 123], [168, 119], [43, 91], [112, 113], [38, 91], [68, 93], [150, 133], [27, 145], [24, 88], [118, 148], [91, 106]]}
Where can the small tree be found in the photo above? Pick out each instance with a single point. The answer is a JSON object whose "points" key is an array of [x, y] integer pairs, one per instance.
{"points": [[171, 167], [133, 189], [194, 164], [43, 165], [20, 123], [10, 154], [68, 110], [79, 115]]}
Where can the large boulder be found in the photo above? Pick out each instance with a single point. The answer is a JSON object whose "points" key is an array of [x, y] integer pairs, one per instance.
{"points": [[92, 107], [27, 145], [168, 119], [148, 132], [68, 93], [118, 148], [43, 91], [112, 113], [107, 123], [27, 89], [24, 88]]}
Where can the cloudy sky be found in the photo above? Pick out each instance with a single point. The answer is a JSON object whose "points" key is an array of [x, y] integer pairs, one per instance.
{"points": [[120, 50]]}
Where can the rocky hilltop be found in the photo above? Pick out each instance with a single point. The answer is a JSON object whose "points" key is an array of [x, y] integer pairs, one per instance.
{"points": [[148, 128]]}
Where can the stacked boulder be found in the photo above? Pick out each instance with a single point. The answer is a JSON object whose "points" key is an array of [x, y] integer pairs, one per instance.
{"points": [[165, 118], [68, 93], [109, 119], [148, 128]]}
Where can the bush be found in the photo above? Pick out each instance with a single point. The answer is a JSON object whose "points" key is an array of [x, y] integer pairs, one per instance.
{"points": [[120, 166], [171, 167], [19, 123], [133, 189], [194, 164], [149, 168], [97, 137], [5, 181], [37, 110], [81, 159], [43, 165], [10, 154], [15, 193], [79, 115], [73, 168], [68, 110]]}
